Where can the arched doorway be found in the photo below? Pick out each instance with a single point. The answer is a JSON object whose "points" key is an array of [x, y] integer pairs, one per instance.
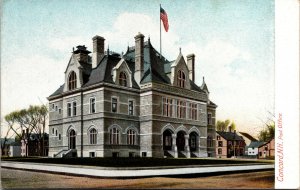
{"points": [[72, 139], [193, 141], [167, 140], [180, 141]]}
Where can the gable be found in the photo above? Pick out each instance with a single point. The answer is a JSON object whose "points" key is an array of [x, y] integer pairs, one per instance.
{"points": [[180, 65], [122, 66]]}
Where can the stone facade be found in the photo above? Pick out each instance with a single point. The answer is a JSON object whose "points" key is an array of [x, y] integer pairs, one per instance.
{"points": [[137, 104]]}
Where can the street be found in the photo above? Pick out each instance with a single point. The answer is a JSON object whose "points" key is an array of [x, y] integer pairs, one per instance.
{"points": [[26, 179]]}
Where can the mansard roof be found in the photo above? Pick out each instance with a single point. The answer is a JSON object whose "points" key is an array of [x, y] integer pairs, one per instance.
{"points": [[156, 68]]}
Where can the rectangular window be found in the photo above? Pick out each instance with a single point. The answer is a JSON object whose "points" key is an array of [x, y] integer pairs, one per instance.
{"points": [[220, 143], [69, 107], [209, 119], [220, 151], [181, 109], [74, 108], [92, 154], [55, 108], [114, 105], [130, 107], [59, 110], [59, 137], [167, 107], [218, 137], [92, 105], [144, 154]]}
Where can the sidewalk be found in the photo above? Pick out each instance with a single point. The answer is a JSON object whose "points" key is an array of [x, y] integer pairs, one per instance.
{"points": [[93, 171]]}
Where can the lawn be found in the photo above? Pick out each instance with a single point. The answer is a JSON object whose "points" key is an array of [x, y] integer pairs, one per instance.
{"points": [[138, 162]]}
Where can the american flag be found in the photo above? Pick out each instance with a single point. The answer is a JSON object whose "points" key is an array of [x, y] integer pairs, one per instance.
{"points": [[164, 18]]}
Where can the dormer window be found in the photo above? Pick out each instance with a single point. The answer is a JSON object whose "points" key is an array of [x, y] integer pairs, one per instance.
{"points": [[72, 81], [181, 79], [122, 79]]}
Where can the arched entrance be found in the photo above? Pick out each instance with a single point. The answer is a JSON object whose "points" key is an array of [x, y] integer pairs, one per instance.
{"points": [[72, 139], [167, 140], [180, 141], [193, 141]]}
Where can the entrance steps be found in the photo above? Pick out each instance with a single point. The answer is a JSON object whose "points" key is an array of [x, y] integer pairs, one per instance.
{"points": [[66, 153]]}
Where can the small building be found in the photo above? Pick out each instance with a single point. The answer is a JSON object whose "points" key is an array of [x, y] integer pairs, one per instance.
{"points": [[15, 149], [5, 146], [229, 144], [34, 145], [267, 150], [252, 148]]}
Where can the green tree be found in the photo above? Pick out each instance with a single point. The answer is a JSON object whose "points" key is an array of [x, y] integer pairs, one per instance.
{"points": [[224, 125], [268, 132], [27, 121]]}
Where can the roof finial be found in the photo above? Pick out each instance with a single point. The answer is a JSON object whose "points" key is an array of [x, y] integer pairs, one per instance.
{"points": [[107, 49], [203, 79], [179, 49]]}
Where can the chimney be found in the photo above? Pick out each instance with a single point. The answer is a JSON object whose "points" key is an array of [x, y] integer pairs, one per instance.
{"points": [[98, 50], [191, 66], [81, 54], [230, 129], [139, 57]]}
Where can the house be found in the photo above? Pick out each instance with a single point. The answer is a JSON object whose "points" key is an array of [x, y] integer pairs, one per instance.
{"points": [[267, 150], [229, 144], [136, 103], [252, 148], [248, 140], [35, 145], [15, 149], [5, 145]]}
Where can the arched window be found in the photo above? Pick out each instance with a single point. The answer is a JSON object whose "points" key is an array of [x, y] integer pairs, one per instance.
{"points": [[131, 135], [72, 81], [114, 134], [93, 136], [181, 79], [122, 79]]}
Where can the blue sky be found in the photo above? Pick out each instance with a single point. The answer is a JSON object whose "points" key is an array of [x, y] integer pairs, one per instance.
{"points": [[233, 42]]}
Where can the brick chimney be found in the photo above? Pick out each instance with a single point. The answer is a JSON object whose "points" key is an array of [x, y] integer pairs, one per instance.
{"points": [[81, 54], [139, 57], [191, 66], [98, 50]]}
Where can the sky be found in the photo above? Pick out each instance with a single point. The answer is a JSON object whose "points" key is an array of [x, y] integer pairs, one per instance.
{"points": [[233, 42]]}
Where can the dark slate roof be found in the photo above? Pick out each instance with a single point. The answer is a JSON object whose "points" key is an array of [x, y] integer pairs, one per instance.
{"points": [[212, 104], [248, 136], [58, 91], [230, 135], [255, 144], [156, 68]]}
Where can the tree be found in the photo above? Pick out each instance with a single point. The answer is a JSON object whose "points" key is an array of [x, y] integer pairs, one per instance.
{"points": [[268, 132], [27, 121], [224, 125]]}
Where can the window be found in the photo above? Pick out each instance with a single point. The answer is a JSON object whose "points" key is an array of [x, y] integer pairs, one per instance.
{"points": [[144, 154], [122, 79], [218, 137], [115, 154], [55, 132], [167, 107], [193, 111], [59, 110], [130, 107], [131, 135], [114, 136], [69, 107], [181, 79], [114, 105], [92, 154], [52, 131], [55, 108], [92, 105], [72, 81], [59, 136], [131, 154], [209, 142], [74, 108], [93, 136], [220, 143], [229, 143], [219, 150], [209, 119], [181, 109]]}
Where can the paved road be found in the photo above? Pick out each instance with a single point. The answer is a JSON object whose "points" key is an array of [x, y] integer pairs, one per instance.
{"points": [[25, 179]]}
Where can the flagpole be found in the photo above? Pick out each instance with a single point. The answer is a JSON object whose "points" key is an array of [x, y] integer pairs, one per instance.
{"points": [[160, 30]]}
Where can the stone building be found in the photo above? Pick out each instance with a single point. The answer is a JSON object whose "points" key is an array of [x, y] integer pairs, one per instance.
{"points": [[133, 104]]}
